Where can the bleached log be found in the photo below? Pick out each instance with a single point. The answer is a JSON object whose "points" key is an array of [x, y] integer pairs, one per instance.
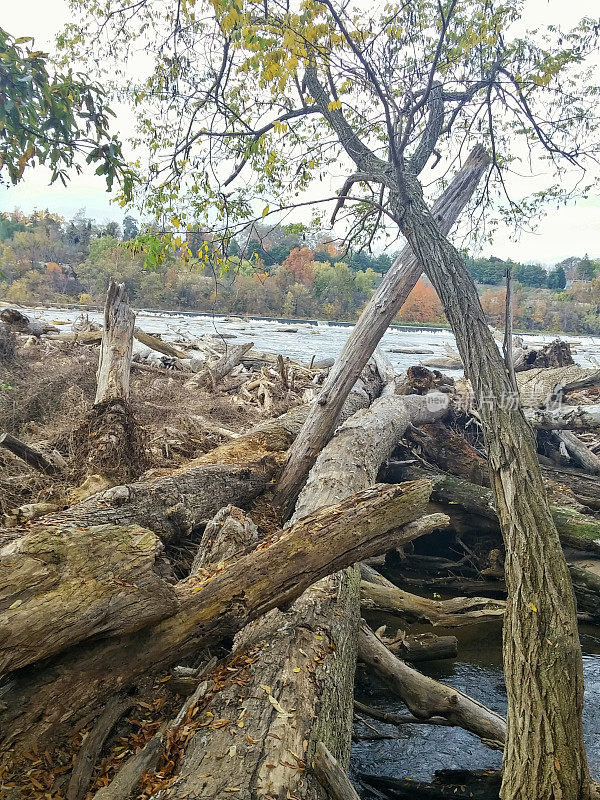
{"points": [[574, 418], [154, 343]]}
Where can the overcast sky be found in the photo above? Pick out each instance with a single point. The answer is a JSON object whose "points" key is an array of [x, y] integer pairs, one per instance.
{"points": [[572, 230]]}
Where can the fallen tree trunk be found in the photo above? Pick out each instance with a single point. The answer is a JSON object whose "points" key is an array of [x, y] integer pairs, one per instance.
{"points": [[213, 373], [61, 586], [366, 334], [154, 343], [539, 387], [574, 418], [21, 323], [421, 646], [456, 612], [37, 704], [580, 454], [173, 505], [50, 463], [377, 594], [576, 530], [307, 653], [426, 697]]}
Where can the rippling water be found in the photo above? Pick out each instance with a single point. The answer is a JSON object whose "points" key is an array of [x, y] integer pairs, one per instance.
{"points": [[478, 672], [306, 340]]}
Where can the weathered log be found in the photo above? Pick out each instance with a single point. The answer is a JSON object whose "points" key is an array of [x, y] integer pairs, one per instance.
{"points": [[366, 334], [210, 609], [380, 595], [112, 377], [443, 362], [21, 323], [236, 472], [399, 719], [228, 534], [457, 611], [154, 343], [90, 751], [537, 387], [315, 638], [51, 462], [582, 455], [426, 697], [59, 586], [331, 776], [575, 418], [576, 530], [172, 505], [423, 647], [213, 373], [83, 337]]}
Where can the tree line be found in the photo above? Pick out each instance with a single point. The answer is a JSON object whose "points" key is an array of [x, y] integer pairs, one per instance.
{"points": [[283, 271]]}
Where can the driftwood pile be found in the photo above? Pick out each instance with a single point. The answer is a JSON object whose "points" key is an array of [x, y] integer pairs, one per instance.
{"points": [[164, 634]]}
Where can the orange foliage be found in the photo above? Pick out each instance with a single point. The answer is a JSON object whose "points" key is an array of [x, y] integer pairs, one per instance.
{"points": [[493, 302], [300, 264], [52, 266], [422, 305]]}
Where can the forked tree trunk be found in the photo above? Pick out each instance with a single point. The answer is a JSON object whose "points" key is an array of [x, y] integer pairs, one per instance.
{"points": [[372, 324], [544, 756]]}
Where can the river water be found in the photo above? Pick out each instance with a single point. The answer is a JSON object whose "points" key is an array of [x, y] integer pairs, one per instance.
{"points": [[478, 672], [478, 669], [303, 341]]}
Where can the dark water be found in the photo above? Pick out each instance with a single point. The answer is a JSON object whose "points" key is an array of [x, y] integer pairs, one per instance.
{"points": [[478, 672]]}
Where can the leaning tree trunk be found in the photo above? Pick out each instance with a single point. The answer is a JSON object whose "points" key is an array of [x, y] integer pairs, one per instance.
{"points": [[544, 756], [372, 324]]}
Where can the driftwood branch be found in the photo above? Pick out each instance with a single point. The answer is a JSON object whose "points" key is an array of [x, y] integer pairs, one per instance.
{"points": [[50, 463]]}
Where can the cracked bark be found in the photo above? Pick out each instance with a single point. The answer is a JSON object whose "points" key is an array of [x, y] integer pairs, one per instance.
{"points": [[544, 756]]}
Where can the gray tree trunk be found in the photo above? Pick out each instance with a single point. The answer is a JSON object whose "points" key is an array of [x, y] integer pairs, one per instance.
{"points": [[364, 338], [112, 378]]}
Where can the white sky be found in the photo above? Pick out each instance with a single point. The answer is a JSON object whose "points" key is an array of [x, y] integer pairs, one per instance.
{"points": [[566, 231]]}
